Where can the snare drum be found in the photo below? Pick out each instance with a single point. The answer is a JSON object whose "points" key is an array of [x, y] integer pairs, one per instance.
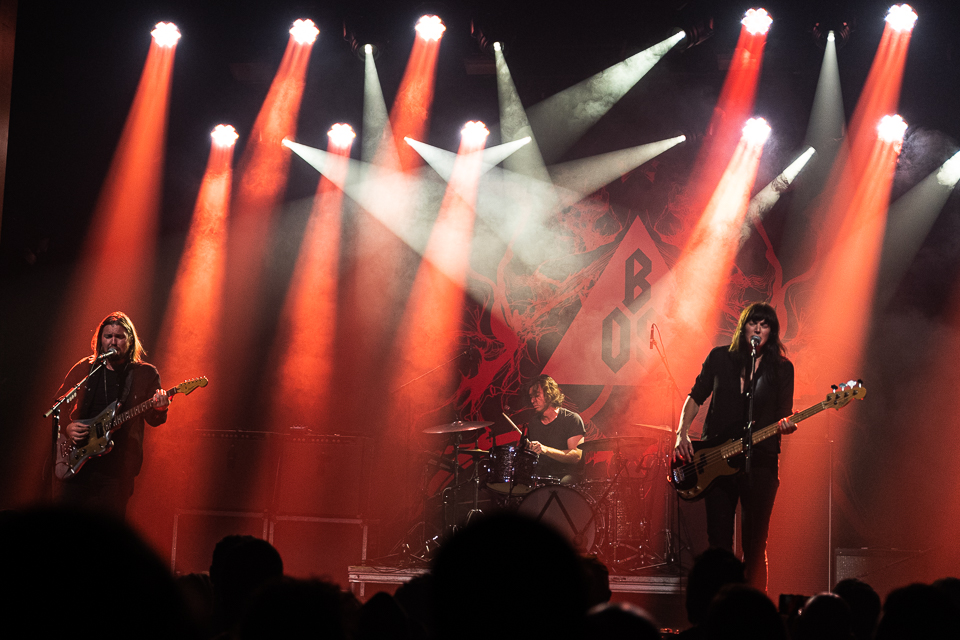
{"points": [[511, 470], [568, 511]]}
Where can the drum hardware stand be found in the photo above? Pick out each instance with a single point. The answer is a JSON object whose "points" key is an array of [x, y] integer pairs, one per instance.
{"points": [[671, 552]]}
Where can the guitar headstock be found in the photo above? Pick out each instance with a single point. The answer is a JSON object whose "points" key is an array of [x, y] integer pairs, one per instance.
{"points": [[187, 386], [852, 390]]}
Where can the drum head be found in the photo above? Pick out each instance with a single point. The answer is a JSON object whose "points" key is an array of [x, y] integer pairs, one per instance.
{"points": [[567, 511]]}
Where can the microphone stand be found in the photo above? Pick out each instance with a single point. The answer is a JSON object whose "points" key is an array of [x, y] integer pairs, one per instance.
{"points": [[748, 435], [71, 395]]}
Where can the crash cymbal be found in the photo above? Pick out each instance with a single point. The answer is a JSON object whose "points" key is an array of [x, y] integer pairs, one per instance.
{"points": [[656, 427], [456, 427], [619, 442]]}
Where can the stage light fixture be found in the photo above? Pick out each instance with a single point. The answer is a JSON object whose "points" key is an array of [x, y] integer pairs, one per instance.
{"points": [[756, 131], [365, 36], [474, 133], [949, 173], [891, 129], [757, 21], [165, 34], [901, 17], [430, 28], [304, 31], [341, 135], [224, 135]]}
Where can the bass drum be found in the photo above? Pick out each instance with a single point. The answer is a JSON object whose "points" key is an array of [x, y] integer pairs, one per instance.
{"points": [[569, 512]]}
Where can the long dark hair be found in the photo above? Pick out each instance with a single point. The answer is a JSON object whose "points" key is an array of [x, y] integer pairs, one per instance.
{"points": [[551, 390], [758, 312]]}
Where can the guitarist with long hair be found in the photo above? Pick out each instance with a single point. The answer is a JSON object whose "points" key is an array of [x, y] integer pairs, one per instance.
{"points": [[727, 376], [106, 481]]}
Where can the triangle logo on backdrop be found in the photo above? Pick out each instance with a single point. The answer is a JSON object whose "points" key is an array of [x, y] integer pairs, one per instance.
{"points": [[608, 342]]}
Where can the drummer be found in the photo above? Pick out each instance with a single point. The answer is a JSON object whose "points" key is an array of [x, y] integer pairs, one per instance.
{"points": [[554, 433]]}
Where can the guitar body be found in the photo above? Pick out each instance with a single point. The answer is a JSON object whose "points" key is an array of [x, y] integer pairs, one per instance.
{"points": [[70, 457], [693, 478], [710, 460]]}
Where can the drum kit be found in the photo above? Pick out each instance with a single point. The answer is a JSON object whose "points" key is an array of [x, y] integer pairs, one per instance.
{"points": [[606, 516]]}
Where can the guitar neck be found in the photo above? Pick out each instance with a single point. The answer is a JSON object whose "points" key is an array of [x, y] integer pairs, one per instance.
{"points": [[137, 410], [760, 435]]}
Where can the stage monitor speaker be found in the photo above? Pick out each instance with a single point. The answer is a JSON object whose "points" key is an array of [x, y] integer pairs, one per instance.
{"points": [[233, 470], [313, 547], [196, 533], [323, 476], [883, 569]]}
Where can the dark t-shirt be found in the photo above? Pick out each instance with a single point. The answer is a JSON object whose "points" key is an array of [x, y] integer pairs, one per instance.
{"points": [[566, 425], [727, 415]]}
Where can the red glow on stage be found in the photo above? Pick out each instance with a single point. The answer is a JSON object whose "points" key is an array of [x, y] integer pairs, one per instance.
{"points": [[410, 114], [429, 329], [733, 108], [116, 266], [703, 269], [194, 310], [859, 192], [305, 344], [262, 181]]}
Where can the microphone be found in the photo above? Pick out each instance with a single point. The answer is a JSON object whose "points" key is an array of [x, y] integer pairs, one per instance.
{"points": [[109, 354], [651, 336], [755, 341]]}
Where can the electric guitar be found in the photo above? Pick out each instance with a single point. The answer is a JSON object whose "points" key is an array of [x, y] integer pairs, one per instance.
{"points": [[692, 478], [70, 457]]}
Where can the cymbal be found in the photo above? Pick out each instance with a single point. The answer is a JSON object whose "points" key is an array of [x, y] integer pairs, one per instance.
{"points": [[456, 427], [475, 453], [657, 427], [619, 442]]}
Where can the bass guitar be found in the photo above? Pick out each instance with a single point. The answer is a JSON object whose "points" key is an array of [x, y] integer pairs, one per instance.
{"points": [[71, 457], [692, 478]]}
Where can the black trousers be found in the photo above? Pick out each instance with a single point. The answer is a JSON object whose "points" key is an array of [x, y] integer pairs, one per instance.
{"points": [[756, 494], [95, 491]]}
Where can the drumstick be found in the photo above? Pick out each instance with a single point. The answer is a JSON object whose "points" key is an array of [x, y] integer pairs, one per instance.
{"points": [[513, 425]]}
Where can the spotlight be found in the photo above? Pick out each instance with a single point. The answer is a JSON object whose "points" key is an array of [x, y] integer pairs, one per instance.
{"points": [[891, 129], [901, 17], [949, 173], [365, 36], [224, 135], [430, 28], [474, 133], [304, 31], [165, 34], [756, 131], [757, 21], [341, 135], [835, 30], [491, 34]]}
